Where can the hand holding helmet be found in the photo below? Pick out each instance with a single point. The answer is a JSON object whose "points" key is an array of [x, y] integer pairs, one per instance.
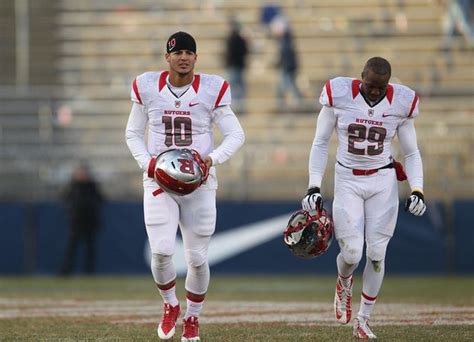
{"points": [[178, 171], [313, 200], [204, 165]]}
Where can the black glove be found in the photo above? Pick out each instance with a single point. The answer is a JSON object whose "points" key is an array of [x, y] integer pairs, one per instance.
{"points": [[415, 204], [313, 200]]}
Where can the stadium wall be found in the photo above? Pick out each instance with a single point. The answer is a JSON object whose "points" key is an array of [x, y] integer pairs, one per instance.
{"points": [[248, 239]]}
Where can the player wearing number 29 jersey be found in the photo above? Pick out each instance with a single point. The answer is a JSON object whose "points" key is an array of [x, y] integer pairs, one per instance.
{"points": [[364, 130], [181, 108], [366, 114]]}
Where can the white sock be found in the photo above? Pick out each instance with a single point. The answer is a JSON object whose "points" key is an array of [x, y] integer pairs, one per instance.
{"points": [[372, 279], [169, 295], [193, 308], [366, 306]]}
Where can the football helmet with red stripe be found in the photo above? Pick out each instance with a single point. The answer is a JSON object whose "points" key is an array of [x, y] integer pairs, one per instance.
{"points": [[180, 171], [309, 234]]}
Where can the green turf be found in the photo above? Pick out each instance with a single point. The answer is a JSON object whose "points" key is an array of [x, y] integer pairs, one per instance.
{"points": [[429, 289], [457, 291], [442, 290], [74, 329]]}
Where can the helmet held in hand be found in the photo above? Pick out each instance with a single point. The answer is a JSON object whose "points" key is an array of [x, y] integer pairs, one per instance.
{"points": [[309, 235], [178, 171]]}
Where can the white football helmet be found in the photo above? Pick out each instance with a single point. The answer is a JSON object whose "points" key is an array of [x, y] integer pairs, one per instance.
{"points": [[180, 171]]}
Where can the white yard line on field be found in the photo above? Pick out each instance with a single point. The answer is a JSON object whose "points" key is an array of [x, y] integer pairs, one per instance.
{"points": [[220, 312]]}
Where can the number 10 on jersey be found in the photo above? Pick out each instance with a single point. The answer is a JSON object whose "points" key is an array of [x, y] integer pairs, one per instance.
{"points": [[178, 129]]}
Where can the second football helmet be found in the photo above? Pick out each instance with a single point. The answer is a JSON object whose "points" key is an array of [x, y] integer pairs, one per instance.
{"points": [[309, 235], [180, 171]]}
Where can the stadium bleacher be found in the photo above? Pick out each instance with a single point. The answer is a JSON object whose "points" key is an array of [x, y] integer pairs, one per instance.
{"points": [[85, 54]]}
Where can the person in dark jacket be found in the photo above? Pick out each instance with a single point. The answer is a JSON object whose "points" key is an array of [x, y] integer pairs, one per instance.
{"points": [[235, 60], [287, 63], [83, 200]]}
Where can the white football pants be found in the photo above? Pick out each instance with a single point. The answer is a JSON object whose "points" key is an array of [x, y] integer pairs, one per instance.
{"points": [[196, 216], [364, 208]]}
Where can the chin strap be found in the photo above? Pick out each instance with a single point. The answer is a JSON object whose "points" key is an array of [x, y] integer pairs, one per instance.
{"points": [[151, 174], [151, 167]]}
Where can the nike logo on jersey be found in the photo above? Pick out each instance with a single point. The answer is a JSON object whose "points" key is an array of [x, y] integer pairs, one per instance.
{"points": [[193, 104], [232, 242], [384, 115]]}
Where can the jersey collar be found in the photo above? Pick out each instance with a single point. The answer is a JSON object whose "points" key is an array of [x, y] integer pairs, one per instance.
{"points": [[356, 91], [164, 75]]}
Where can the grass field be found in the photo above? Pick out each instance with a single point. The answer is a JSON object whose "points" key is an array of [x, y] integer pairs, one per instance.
{"points": [[237, 309]]}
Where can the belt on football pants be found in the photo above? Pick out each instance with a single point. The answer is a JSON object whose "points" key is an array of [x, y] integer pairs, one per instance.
{"points": [[357, 172]]}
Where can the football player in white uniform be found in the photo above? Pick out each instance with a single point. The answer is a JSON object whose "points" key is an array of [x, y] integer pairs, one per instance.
{"points": [[366, 114], [181, 107]]}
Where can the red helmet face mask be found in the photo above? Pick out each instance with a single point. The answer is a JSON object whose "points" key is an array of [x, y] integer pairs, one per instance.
{"points": [[180, 171], [307, 235]]}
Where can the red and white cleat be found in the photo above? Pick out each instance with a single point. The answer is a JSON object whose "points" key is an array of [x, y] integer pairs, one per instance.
{"points": [[167, 326], [343, 302], [190, 329], [361, 330]]}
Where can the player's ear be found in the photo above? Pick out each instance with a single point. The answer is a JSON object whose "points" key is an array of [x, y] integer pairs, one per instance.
{"points": [[167, 57]]}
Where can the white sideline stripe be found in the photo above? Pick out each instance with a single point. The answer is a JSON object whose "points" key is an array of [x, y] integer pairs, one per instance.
{"points": [[221, 312], [232, 242]]}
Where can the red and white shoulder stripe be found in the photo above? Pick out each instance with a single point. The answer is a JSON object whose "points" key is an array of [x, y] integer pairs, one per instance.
{"points": [[335, 90], [222, 91], [329, 92], [136, 92], [413, 105]]}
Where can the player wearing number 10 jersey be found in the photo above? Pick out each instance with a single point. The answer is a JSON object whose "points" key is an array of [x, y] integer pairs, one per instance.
{"points": [[181, 108], [366, 115]]}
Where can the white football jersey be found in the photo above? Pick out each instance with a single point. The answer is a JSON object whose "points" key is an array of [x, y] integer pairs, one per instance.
{"points": [[365, 131], [180, 122]]}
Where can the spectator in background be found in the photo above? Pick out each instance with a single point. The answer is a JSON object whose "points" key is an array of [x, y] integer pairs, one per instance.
{"points": [[287, 62], [458, 19], [268, 12], [235, 60], [83, 200]]}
